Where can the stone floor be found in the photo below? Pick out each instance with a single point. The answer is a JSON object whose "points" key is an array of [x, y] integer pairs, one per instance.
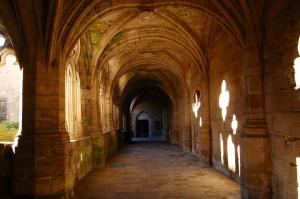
{"points": [[155, 171]]}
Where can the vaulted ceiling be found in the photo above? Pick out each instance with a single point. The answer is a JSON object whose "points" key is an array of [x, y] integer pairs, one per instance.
{"points": [[163, 43], [131, 37]]}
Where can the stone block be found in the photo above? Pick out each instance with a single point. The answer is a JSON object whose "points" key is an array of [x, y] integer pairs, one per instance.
{"points": [[3, 109], [281, 168], [255, 144], [292, 192], [277, 146], [255, 161], [43, 186], [279, 187], [257, 181]]}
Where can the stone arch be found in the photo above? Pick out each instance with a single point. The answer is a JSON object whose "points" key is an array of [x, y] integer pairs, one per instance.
{"points": [[72, 102], [11, 89], [36, 47], [145, 117]]}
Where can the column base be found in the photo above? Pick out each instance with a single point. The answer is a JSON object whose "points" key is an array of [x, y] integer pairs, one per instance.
{"points": [[254, 194]]}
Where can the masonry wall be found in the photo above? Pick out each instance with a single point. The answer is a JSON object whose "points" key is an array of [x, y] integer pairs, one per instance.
{"points": [[3, 108], [225, 58], [282, 19], [85, 154], [153, 106], [82, 156], [194, 83]]}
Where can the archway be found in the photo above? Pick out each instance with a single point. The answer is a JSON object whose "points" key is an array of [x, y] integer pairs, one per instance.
{"points": [[147, 106], [142, 126], [11, 89], [185, 38]]}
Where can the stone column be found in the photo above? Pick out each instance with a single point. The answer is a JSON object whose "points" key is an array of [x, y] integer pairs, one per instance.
{"points": [[255, 146], [187, 131], [205, 146], [112, 129], [205, 130], [91, 122], [41, 157], [91, 125]]}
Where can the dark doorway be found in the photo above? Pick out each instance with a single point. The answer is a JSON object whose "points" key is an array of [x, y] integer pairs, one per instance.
{"points": [[142, 128]]}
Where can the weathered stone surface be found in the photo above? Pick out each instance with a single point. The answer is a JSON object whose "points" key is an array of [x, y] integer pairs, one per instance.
{"points": [[170, 174], [3, 109], [85, 64]]}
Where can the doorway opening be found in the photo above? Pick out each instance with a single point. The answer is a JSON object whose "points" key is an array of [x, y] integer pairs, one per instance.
{"points": [[142, 128]]}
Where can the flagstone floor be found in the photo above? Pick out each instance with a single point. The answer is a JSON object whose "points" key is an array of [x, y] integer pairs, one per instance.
{"points": [[155, 170]]}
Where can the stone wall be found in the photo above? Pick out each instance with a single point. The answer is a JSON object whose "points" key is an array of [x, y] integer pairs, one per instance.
{"points": [[86, 154], [282, 101], [82, 156], [3, 109], [225, 64], [154, 108]]}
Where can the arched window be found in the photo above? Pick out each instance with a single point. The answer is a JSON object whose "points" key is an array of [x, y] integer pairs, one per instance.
{"points": [[297, 68], [224, 99], [72, 102], [11, 88]]}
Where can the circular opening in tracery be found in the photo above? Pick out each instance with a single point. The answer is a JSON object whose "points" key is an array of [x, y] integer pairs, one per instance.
{"points": [[10, 59]]}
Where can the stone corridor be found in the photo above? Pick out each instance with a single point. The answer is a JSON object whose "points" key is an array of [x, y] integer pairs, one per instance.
{"points": [[218, 80], [155, 170]]}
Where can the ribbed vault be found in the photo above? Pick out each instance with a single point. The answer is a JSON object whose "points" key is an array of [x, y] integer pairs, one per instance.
{"points": [[162, 46]]}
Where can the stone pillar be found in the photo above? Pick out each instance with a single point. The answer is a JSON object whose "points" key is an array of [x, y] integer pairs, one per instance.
{"points": [[255, 159], [41, 157], [205, 146], [110, 126], [255, 146], [205, 130], [187, 131], [91, 125]]}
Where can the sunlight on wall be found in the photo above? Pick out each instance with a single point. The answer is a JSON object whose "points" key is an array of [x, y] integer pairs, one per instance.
{"points": [[197, 104], [200, 121], [298, 175], [72, 102], [239, 158], [234, 124], [2, 40], [222, 148], [297, 68], [224, 100], [231, 154]]}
